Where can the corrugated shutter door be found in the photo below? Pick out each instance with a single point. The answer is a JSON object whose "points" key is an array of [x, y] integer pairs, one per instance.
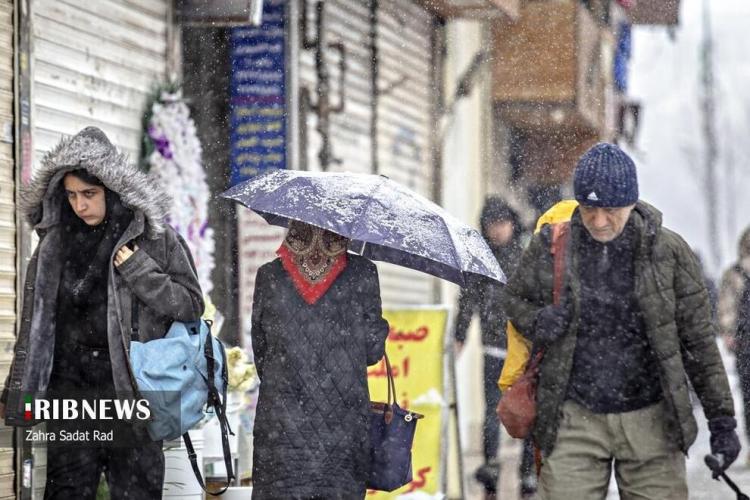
{"points": [[405, 112], [94, 63], [405, 122], [7, 228]]}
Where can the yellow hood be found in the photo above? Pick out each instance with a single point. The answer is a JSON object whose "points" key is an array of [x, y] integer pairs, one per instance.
{"points": [[519, 349]]}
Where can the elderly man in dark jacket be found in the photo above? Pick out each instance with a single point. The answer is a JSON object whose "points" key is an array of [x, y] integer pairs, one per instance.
{"points": [[634, 318]]}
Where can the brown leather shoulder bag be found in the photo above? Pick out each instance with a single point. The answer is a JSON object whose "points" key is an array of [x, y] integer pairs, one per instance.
{"points": [[517, 407]]}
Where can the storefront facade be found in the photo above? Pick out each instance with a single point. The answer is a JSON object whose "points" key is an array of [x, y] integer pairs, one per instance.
{"points": [[365, 91], [7, 225]]}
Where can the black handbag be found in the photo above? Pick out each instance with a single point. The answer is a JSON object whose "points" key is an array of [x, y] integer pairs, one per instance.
{"points": [[391, 436]]}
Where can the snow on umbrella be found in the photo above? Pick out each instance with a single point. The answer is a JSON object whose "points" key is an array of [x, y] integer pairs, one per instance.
{"points": [[384, 220]]}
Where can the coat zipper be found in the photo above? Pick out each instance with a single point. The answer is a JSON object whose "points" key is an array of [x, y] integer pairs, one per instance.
{"points": [[125, 346]]}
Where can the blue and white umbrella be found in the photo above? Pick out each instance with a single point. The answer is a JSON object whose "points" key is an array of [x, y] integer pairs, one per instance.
{"points": [[384, 220]]}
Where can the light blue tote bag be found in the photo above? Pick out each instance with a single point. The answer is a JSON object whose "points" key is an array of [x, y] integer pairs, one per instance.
{"points": [[172, 373]]}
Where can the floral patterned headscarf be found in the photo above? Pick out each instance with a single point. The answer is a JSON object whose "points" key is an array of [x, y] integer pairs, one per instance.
{"points": [[313, 257]]}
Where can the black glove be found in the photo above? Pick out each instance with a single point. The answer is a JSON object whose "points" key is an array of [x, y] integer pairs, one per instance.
{"points": [[724, 439], [551, 323]]}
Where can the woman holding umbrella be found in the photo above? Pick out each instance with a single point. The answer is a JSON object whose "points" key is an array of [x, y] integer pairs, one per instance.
{"points": [[316, 326], [317, 319]]}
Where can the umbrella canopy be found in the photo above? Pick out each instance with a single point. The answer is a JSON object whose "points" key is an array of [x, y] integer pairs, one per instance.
{"points": [[384, 220]]}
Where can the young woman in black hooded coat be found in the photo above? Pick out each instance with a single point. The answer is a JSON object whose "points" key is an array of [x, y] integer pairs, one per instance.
{"points": [[103, 244]]}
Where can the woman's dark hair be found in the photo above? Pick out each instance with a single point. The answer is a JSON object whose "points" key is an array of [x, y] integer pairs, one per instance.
{"points": [[86, 177]]}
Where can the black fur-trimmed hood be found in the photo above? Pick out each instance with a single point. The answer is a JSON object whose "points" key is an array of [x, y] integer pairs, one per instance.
{"points": [[90, 149]]}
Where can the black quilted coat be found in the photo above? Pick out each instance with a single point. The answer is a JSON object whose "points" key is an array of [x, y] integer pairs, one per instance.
{"points": [[311, 435]]}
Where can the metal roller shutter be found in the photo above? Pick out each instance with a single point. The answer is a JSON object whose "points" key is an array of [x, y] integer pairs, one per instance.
{"points": [[405, 112], [405, 122], [7, 228], [95, 64]]}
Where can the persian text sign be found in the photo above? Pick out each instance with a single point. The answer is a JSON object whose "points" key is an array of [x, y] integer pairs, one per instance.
{"points": [[258, 95], [257, 243], [415, 349]]}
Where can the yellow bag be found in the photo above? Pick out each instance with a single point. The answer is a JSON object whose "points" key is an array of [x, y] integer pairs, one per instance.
{"points": [[519, 349]]}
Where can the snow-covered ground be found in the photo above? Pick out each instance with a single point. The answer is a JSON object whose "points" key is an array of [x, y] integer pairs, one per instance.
{"points": [[702, 486]]}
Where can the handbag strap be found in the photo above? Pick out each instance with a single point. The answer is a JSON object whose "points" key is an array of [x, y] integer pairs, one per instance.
{"points": [[388, 412], [558, 248], [220, 405], [391, 384]]}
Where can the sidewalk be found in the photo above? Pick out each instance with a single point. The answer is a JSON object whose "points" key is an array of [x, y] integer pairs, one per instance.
{"points": [[701, 485], [510, 455]]}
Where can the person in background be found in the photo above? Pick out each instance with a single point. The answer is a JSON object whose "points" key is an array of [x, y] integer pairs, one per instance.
{"points": [[502, 229], [733, 316]]}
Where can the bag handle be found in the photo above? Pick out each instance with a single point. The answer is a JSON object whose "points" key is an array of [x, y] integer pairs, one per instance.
{"points": [[388, 411], [391, 384], [220, 405], [558, 247]]}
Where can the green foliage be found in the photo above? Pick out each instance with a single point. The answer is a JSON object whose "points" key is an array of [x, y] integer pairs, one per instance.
{"points": [[102, 492]]}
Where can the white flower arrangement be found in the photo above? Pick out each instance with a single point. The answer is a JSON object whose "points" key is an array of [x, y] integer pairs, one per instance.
{"points": [[175, 160]]}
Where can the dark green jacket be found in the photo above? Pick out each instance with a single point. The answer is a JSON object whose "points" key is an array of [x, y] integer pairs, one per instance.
{"points": [[677, 316]]}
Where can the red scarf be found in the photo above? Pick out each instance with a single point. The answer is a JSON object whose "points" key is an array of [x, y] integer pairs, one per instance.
{"points": [[310, 291]]}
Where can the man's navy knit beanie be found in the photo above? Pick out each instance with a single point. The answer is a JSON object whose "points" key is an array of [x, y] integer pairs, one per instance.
{"points": [[605, 177]]}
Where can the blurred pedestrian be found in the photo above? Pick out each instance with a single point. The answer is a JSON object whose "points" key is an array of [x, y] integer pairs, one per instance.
{"points": [[316, 326], [501, 228], [730, 291], [103, 243], [634, 319], [734, 318]]}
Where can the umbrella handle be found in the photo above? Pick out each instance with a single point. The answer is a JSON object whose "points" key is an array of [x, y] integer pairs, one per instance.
{"points": [[716, 464]]}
